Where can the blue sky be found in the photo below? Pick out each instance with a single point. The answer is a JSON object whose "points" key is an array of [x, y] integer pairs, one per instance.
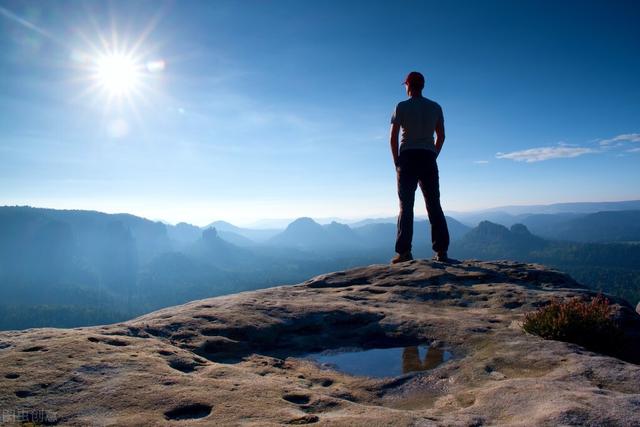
{"points": [[281, 109]]}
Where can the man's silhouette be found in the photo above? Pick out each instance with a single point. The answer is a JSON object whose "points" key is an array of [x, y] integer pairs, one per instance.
{"points": [[415, 160]]}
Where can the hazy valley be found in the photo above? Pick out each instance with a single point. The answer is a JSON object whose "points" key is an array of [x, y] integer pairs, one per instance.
{"points": [[72, 268]]}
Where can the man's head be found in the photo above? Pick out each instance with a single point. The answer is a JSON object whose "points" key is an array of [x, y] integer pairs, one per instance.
{"points": [[414, 82]]}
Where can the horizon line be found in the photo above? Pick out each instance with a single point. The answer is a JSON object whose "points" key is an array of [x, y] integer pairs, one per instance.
{"points": [[324, 219]]}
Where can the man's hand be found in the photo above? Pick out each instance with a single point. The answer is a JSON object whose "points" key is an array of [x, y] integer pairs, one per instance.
{"points": [[439, 136], [393, 141]]}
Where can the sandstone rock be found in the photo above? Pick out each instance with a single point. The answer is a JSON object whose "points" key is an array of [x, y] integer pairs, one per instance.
{"points": [[235, 359]]}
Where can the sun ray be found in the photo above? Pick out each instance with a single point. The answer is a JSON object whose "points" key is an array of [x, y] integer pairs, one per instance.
{"points": [[153, 22]]}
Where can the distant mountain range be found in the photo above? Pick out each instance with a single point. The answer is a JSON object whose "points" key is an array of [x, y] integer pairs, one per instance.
{"points": [[509, 215], [78, 267], [152, 238], [574, 207], [306, 234], [602, 227], [614, 226], [506, 215]]}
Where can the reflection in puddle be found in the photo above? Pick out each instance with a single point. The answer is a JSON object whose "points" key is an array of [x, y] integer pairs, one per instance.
{"points": [[382, 362]]}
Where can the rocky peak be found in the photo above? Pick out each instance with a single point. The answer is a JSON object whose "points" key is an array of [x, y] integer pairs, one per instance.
{"points": [[520, 229], [229, 359], [210, 234], [490, 229]]}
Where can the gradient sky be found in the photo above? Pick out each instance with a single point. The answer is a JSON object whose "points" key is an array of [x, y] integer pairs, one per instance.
{"points": [[280, 109]]}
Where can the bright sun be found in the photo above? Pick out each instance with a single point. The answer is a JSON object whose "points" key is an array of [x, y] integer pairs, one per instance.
{"points": [[118, 74]]}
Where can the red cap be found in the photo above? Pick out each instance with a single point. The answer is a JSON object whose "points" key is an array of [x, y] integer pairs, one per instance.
{"points": [[414, 79]]}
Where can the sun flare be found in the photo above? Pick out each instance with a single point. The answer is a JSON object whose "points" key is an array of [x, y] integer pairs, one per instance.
{"points": [[117, 74], [120, 73]]}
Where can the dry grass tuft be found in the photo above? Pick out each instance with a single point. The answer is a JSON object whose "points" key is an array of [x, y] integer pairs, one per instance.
{"points": [[589, 324]]}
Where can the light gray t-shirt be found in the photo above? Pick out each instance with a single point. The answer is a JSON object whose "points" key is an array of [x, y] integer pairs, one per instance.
{"points": [[418, 117]]}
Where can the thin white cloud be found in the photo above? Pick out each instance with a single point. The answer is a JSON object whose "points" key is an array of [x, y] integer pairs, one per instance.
{"points": [[481, 162], [634, 150], [540, 154], [626, 137]]}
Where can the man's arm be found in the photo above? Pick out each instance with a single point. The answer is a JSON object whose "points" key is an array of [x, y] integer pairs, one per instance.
{"points": [[393, 141], [439, 135]]}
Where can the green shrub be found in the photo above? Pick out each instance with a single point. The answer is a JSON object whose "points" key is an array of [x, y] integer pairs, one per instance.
{"points": [[589, 324]]}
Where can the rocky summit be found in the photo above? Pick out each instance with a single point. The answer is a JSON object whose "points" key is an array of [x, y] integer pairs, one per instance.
{"points": [[242, 359]]}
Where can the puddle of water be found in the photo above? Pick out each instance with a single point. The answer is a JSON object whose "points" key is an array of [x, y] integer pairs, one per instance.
{"points": [[381, 362]]}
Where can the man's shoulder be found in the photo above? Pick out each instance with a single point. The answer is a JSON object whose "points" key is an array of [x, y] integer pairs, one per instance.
{"points": [[418, 102], [433, 103], [435, 107]]}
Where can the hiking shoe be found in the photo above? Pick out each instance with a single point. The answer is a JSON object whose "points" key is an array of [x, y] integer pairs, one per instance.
{"points": [[405, 256], [441, 257]]}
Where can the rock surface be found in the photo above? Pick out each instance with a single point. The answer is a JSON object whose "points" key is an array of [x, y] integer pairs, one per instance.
{"points": [[236, 359]]}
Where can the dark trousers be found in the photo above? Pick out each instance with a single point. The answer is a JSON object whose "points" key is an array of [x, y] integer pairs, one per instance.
{"points": [[420, 167]]}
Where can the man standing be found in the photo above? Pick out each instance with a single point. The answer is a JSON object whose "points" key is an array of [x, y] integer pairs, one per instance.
{"points": [[415, 160]]}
